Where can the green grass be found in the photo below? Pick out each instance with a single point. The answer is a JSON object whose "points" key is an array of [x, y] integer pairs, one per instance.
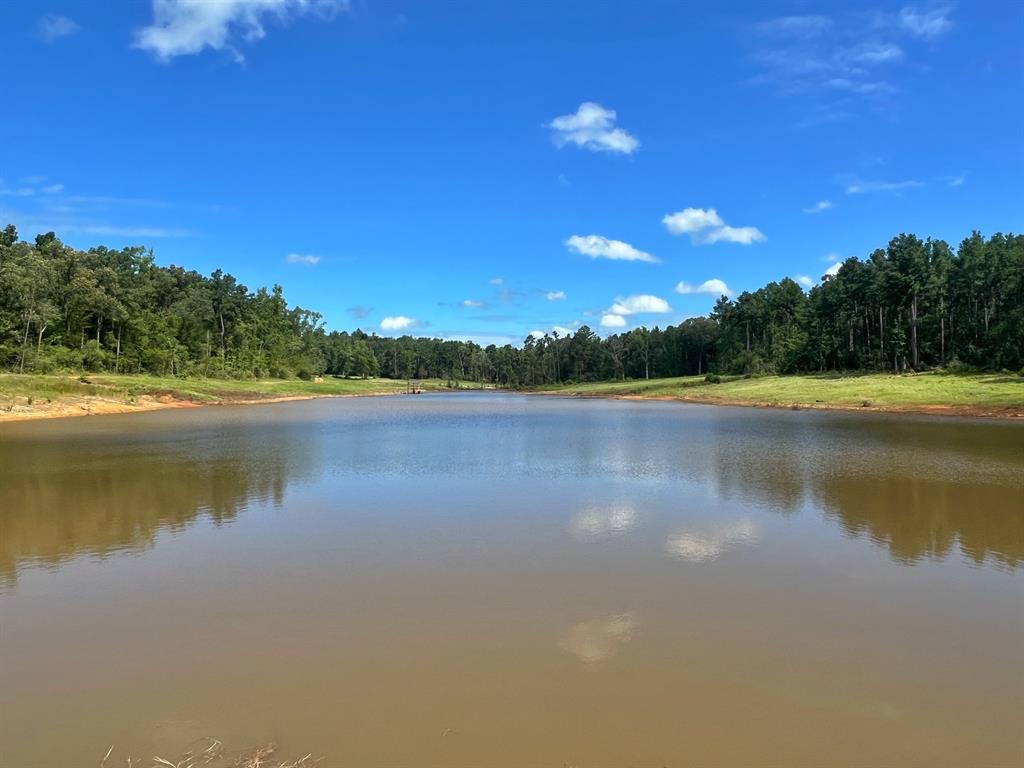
{"points": [[124, 388], [998, 391]]}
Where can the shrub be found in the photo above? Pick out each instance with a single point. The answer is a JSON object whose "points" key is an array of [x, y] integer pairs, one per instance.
{"points": [[713, 378]]}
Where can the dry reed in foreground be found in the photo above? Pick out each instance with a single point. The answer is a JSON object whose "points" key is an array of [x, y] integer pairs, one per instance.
{"points": [[210, 753]]}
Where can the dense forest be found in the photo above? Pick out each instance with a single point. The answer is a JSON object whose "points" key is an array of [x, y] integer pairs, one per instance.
{"points": [[914, 305]]}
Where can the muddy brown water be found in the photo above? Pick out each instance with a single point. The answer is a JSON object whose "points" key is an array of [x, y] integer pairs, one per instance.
{"points": [[493, 580]]}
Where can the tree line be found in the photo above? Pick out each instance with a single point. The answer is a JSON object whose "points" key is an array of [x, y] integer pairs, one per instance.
{"points": [[913, 305]]}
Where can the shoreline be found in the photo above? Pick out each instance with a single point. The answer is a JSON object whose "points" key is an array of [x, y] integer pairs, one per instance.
{"points": [[108, 407], [1002, 413], [100, 406]]}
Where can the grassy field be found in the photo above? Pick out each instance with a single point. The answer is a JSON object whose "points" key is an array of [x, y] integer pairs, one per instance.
{"points": [[28, 396], [995, 394]]}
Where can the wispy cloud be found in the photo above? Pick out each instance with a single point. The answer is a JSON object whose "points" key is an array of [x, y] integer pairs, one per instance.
{"points": [[714, 286], [927, 24], [804, 280], [44, 206], [860, 187], [302, 258], [705, 226], [53, 26], [472, 304], [598, 247], [593, 127], [845, 62], [555, 295], [954, 181], [497, 281], [184, 27], [818, 207]]}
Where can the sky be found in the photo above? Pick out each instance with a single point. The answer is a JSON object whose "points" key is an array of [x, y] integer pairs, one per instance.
{"points": [[487, 170]]}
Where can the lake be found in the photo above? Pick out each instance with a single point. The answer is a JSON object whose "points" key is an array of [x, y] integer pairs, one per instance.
{"points": [[497, 580]]}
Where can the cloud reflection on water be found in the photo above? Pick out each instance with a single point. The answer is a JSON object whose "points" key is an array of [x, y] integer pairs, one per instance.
{"points": [[596, 522], [700, 545], [599, 639]]}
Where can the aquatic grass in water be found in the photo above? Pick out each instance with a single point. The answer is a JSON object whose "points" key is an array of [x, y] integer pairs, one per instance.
{"points": [[210, 753]]}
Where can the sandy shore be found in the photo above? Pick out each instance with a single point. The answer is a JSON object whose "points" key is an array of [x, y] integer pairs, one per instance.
{"points": [[102, 406]]}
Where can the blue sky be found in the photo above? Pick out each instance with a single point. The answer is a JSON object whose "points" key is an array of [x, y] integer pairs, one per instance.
{"points": [[488, 169]]}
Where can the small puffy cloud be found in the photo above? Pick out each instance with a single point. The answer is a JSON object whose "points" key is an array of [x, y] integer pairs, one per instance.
{"points": [[561, 330], [398, 323], [714, 286], [691, 220], [183, 27], [497, 281], [804, 280], [608, 320], [641, 304], [473, 304], [593, 127], [833, 269], [53, 27], [705, 226], [302, 258], [927, 25], [598, 247], [555, 295], [818, 207], [359, 311], [741, 235]]}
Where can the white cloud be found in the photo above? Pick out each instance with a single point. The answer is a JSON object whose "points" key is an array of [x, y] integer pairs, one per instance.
{"points": [[53, 26], [398, 323], [818, 207], [955, 181], [741, 235], [863, 187], [804, 280], [593, 127], [714, 286], [609, 320], [183, 27], [699, 546], [555, 295], [641, 304], [833, 270], [705, 226], [561, 330], [598, 247], [691, 220], [926, 24], [302, 258], [497, 281], [473, 304]]}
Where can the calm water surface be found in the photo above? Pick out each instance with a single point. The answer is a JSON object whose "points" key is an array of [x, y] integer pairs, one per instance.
{"points": [[490, 580]]}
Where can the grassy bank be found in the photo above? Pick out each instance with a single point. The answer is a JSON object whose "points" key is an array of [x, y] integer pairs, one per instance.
{"points": [[28, 396], [966, 394]]}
